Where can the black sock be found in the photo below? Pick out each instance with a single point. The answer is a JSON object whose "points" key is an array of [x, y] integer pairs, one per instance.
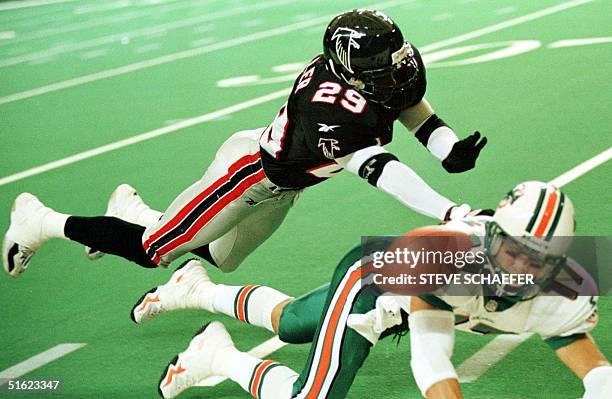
{"points": [[109, 235], [204, 252]]}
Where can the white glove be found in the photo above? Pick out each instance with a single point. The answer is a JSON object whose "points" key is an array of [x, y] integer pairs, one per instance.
{"points": [[385, 315], [457, 212]]}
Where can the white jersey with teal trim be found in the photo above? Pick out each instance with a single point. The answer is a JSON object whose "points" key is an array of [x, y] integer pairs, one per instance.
{"points": [[557, 319], [547, 315]]}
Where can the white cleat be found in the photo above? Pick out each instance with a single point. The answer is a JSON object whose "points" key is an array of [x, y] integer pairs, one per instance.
{"points": [[124, 203], [189, 287], [206, 350], [25, 234]]}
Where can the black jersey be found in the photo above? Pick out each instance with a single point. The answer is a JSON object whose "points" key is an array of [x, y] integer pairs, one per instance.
{"points": [[323, 119]]}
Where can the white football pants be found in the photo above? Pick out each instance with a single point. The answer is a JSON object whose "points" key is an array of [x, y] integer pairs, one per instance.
{"points": [[234, 208]]}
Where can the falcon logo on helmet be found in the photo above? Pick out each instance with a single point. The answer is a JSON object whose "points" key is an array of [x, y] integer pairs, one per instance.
{"points": [[346, 39], [367, 50]]}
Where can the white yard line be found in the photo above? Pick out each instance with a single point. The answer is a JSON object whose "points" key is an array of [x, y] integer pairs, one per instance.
{"points": [[150, 30], [7, 35], [580, 42], [144, 136], [152, 62], [157, 61], [271, 33], [504, 25], [13, 5], [494, 351], [505, 10], [193, 121], [151, 10], [583, 168], [177, 56], [38, 361], [260, 351]]}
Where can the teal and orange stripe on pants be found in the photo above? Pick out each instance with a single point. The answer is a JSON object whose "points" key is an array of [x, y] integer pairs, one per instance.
{"points": [[337, 352]]}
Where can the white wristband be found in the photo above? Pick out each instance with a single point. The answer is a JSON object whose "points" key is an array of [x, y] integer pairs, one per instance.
{"points": [[598, 383], [441, 142], [432, 337]]}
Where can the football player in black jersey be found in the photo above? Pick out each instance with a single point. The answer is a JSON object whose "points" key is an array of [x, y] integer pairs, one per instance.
{"points": [[339, 115]]}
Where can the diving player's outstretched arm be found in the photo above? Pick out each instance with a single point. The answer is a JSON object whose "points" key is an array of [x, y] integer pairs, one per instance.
{"points": [[567, 332], [432, 337], [586, 361], [384, 171], [456, 155]]}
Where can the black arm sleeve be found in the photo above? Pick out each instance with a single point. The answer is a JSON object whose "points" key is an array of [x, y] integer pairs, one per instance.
{"points": [[428, 128]]}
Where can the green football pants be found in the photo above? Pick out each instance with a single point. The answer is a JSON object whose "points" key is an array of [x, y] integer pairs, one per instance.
{"points": [[337, 351]]}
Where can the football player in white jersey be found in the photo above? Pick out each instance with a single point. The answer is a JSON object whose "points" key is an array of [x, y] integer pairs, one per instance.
{"points": [[528, 235], [339, 115]]}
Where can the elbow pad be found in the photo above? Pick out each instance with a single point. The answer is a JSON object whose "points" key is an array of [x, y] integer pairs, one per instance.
{"points": [[432, 337], [371, 169]]}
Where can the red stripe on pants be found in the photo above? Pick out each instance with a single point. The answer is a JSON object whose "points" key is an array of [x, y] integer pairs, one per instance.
{"points": [[187, 209], [209, 214]]}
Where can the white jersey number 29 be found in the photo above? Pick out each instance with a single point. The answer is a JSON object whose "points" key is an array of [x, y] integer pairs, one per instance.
{"points": [[328, 92]]}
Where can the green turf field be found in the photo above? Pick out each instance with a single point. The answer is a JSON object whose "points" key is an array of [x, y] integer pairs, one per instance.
{"points": [[77, 76]]}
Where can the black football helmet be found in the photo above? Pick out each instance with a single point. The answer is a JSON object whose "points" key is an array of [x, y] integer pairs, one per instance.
{"points": [[367, 50]]}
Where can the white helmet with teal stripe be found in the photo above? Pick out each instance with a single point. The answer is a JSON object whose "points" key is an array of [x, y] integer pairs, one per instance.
{"points": [[538, 220]]}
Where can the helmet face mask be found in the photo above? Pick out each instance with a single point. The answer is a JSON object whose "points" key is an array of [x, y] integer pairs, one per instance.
{"points": [[389, 85], [367, 50], [509, 255], [532, 228]]}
